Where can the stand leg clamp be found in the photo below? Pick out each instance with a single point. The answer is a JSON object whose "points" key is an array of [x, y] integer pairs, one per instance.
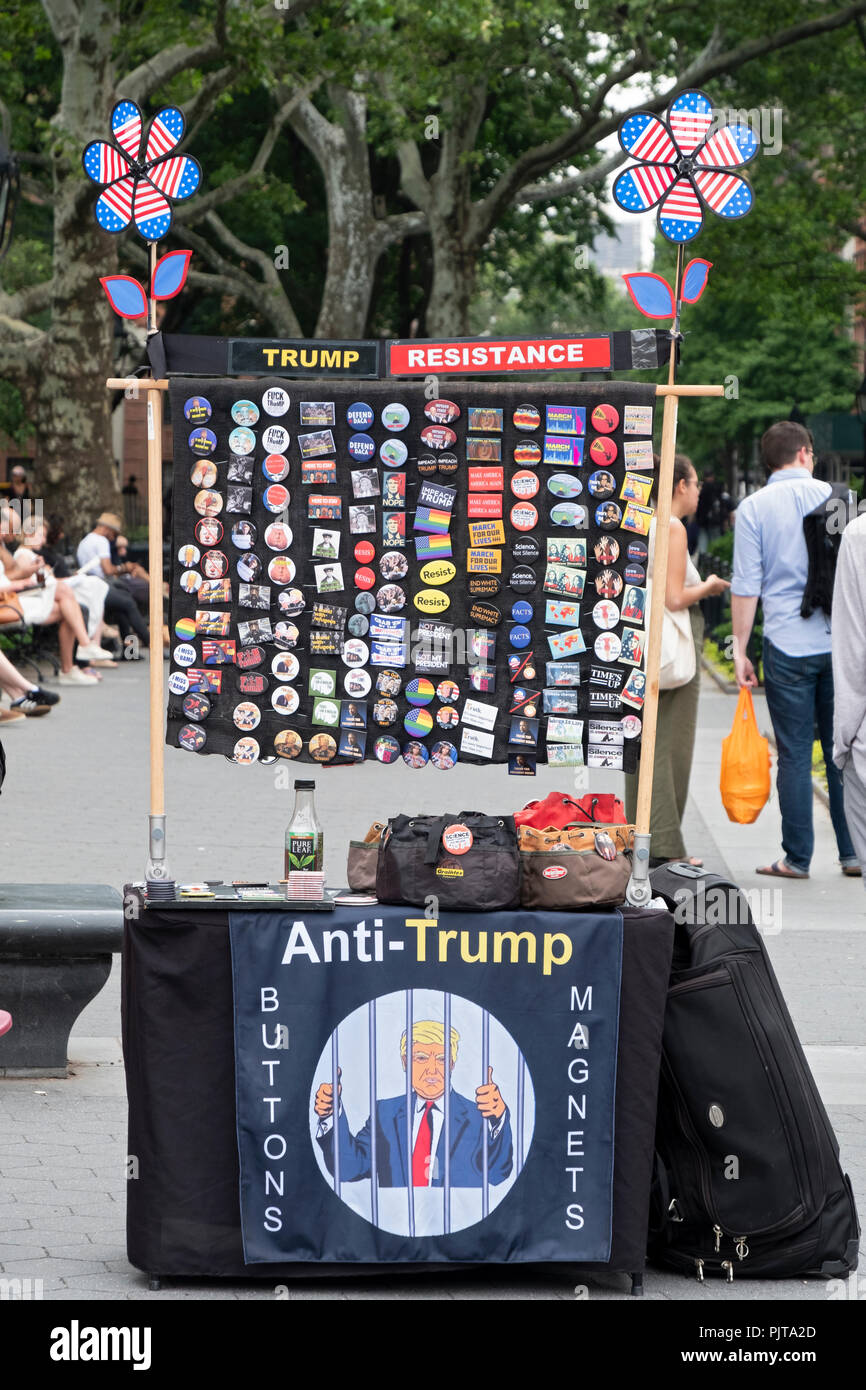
{"points": [[639, 890], [157, 870]]}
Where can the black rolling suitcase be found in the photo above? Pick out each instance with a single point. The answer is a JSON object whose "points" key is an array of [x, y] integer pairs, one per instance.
{"points": [[748, 1180]]}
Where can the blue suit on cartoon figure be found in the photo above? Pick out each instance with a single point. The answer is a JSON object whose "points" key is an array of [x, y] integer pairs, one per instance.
{"points": [[467, 1122]]}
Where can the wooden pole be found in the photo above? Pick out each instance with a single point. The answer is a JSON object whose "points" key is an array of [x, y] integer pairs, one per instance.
{"points": [[660, 569], [154, 550]]}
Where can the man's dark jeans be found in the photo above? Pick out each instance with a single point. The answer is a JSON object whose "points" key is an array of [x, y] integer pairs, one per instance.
{"points": [[799, 692]]}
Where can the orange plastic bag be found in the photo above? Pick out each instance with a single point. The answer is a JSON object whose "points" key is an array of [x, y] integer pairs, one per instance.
{"points": [[745, 779]]}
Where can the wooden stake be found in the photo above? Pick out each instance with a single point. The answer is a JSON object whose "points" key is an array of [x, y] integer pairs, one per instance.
{"points": [[154, 550], [660, 569]]}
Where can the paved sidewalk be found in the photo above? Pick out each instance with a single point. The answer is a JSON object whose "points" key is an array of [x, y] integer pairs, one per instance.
{"points": [[74, 809]]}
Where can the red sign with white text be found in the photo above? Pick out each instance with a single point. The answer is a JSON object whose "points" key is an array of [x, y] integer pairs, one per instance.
{"points": [[419, 357], [484, 504], [486, 479]]}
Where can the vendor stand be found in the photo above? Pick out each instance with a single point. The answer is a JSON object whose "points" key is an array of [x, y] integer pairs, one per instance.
{"points": [[346, 493]]}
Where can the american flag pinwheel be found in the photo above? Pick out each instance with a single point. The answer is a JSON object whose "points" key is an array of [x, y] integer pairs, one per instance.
{"points": [[139, 182], [683, 165]]}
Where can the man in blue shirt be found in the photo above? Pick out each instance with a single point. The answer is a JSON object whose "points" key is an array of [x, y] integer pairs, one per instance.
{"points": [[771, 563]]}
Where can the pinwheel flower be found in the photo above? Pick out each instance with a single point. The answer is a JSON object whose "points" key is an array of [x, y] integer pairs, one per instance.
{"points": [[684, 166], [139, 184]]}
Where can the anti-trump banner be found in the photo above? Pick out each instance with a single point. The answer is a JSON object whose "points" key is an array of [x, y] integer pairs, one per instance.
{"points": [[414, 1089]]}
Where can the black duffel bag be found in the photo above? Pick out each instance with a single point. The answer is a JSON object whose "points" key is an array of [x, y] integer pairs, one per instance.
{"points": [[469, 862]]}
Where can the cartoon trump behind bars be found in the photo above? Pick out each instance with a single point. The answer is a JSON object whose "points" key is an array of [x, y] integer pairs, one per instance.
{"points": [[466, 1124]]}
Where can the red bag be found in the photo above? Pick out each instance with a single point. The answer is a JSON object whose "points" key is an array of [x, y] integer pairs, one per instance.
{"points": [[559, 809]]}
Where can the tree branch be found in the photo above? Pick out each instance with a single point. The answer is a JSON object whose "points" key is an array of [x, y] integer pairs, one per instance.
{"points": [[712, 62], [202, 104], [63, 16], [232, 187], [20, 348], [572, 183], [28, 301], [161, 67], [402, 224]]}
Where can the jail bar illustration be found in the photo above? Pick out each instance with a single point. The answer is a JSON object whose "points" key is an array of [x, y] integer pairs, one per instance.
{"points": [[444, 1144]]}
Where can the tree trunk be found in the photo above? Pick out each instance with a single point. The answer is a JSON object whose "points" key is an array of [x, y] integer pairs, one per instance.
{"points": [[75, 468], [356, 238], [455, 266]]}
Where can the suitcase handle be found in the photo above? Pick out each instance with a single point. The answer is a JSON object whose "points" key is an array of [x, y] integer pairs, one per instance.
{"points": [[684, 870]]}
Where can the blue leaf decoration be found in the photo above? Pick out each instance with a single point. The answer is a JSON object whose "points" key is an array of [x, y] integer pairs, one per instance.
{"points": [[695, 278], [651, 293], [169, 274], [125, 295]]}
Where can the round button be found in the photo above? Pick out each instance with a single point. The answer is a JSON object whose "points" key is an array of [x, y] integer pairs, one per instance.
{"points": [[566, 514], [385, 713], [358, 625], [393, 565], [520, 636], [275, 467], [360, 416], [203, 473], [443, 755], [523, 579], [525, 484], [608, 516], [209, 532], [322, 748], [184, 654], [208, 503], [246, 751], [389, 682], [242, 441], [607, 646], [420, 692], [278, 536], [197, 410], [364, 552], [528, 453], [526, 550], [364, 578], [603, 451], [418, 722], [184, 628], [281, 570], [608, 583], [442, 412], [244, 535], [202, 441], [245, 413], [386, 748], [636, 551], [524, 516], [361, 446], [192, 737], [357, 683], [275, 401], [604, 418], [291, 602], [447, 717], [448, 691], [393, 453], [285, 666], [178, 682], [526, 417], [286, 634], [285, 699], [395, 416], [288, 743], [606, 550], [275, 439], [276, 497], [415, 755], [521, 611], [605, 614], [365, 603], [190, 581], [390, 598], [246, 715], [355, 652], [601, 484]]}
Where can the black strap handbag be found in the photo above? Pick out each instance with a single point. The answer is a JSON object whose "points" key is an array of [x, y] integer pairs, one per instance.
{"points": [[468, 862]]}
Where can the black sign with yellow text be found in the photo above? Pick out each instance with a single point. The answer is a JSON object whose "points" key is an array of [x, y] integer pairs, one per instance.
{"points": [[320, 357]]}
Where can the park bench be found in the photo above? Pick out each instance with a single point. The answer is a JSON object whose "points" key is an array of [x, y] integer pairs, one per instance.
{"points": [[56, 944]]}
